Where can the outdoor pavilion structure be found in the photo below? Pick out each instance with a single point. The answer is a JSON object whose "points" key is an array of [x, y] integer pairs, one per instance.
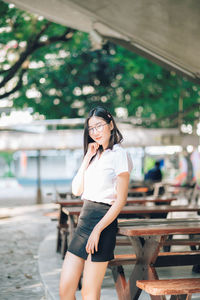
{"points": [[164, 31], [36, 135]]}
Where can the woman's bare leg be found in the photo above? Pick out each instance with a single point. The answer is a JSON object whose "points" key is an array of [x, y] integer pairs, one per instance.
{"points": [[93, 275], [70, 276]]}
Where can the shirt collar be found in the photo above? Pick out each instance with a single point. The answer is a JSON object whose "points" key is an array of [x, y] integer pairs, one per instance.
{"points": [[115, 147]]}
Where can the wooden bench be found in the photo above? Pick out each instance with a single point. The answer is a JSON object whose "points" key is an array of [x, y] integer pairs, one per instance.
{"points": [[181, 288], [190, 191], [164, 259]]}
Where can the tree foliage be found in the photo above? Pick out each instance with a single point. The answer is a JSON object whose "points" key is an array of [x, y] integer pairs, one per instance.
{"points": [[54, 70]]}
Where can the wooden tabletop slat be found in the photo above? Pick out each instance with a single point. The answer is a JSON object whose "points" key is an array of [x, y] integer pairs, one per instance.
{"points": [[160, 209], [162, 228], [130, 200], [74, 211], [70, 202], [142, 222], [153, 198], [140, 209]]}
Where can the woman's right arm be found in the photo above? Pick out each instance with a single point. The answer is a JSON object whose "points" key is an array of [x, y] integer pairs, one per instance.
{"points": [[78, 181]]}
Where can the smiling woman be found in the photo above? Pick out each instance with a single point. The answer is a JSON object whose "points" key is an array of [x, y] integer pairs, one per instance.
{"points": [[102, 181], [96, 130]]}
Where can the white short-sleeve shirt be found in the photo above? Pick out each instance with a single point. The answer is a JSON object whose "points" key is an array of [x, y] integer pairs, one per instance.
{"points": [[101, 175]]}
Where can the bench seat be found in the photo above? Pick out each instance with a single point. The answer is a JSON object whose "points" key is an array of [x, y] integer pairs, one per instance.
{"points": [[162, 260], [183, 286]]}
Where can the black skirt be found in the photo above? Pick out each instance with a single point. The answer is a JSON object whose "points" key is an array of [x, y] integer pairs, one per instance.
{"points": [[91, 213]]}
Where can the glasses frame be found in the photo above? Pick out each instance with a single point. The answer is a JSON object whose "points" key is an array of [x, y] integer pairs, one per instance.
{"points": [[98, 128]]}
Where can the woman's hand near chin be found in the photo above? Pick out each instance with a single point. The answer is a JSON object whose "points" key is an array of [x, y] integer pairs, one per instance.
{"points": [[92, 149]]}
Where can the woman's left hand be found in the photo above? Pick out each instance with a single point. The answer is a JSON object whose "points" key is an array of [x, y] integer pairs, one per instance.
{"points": [[93, 240]]}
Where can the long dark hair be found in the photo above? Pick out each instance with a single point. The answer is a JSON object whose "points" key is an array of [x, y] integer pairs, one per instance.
{"points": [[115, 137]]}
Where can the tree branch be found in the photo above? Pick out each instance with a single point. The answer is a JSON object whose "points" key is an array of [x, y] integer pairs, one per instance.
{"points": [[17, 87], [13, 70], [63, 38], [33, 45], [3, 71]]}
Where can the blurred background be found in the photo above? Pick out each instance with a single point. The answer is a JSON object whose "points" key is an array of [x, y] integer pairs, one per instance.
{"points": [[51, 75]]}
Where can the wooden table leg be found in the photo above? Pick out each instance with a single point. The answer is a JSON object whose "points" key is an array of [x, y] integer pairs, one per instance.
{"points": [[120, 281], [72, 225], [146, 250], [61, 221]]}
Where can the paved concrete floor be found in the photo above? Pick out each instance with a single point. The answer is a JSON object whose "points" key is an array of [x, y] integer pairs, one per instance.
{"points": [[23, 226]]}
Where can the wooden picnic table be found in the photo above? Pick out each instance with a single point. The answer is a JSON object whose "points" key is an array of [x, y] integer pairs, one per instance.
{"points": [[147, 237], [127, 212], [190, 191], [64, 229], [141, 209]]}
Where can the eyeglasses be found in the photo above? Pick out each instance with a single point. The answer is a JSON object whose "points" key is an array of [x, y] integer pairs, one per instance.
{"points": [[98, 128]]}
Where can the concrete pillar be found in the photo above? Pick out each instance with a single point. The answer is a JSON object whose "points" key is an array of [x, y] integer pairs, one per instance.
{"points": [[39, 192]]}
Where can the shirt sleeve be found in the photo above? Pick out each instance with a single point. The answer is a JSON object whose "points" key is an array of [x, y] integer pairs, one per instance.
{"points": [[123, 162]]}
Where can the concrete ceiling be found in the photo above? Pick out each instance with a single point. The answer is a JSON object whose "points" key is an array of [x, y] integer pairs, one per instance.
{"points": [[164, 31]]}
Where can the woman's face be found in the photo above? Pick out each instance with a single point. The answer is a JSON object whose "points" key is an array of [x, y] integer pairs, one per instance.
{"points": [[99, 130]]}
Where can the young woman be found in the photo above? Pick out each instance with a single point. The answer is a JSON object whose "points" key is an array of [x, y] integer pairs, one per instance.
{"points": [[102, 180]]}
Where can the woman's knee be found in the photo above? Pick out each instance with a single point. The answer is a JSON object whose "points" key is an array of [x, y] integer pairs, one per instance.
{"points": [[63, 290], [68, 286], [70, 275], [67, 291], [90, 293]]}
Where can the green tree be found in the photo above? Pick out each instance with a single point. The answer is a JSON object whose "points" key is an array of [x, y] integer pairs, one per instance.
{"points": [[8, 158], [53, 69]]}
